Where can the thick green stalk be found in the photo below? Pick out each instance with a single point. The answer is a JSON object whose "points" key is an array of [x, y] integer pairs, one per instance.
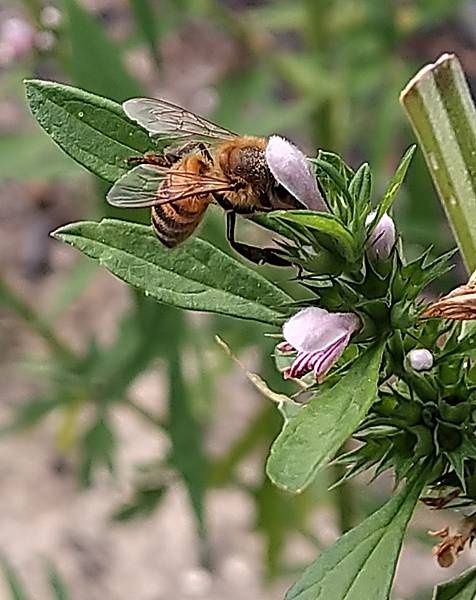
{"points": [[439, 105]]}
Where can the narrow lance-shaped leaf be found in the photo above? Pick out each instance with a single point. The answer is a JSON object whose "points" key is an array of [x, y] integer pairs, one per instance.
{"points": [[58, 587], [442, 113], [393, 187], [187, 455], [92, 130], [95, 61], [361, 564], [98, 446], [196, 276], [462, 587], [15, 587], [327, 229], [145, 17], [311, 438]]}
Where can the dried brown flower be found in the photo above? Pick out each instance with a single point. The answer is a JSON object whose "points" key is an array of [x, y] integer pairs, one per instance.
{"points": [[447, 551], [460, 304]]}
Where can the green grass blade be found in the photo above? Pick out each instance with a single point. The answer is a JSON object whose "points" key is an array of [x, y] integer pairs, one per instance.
{"points": [[14, 585]]}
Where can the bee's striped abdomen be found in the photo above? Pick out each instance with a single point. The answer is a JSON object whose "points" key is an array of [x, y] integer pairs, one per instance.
{"points": [[175, 222]]}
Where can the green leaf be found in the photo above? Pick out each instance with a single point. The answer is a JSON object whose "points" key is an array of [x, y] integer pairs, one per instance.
{"points": [[95, 61], [462, 587], [14, 585], [92, 130], [57, 584], [361, 187], [30, 413], [30, 156], [196, 276], [313, 436], [138, 341], [327, 229], [98, 447], [187, 455], [393, 187], [146, 21], [277, 517], [143, 503], [361, 564]]}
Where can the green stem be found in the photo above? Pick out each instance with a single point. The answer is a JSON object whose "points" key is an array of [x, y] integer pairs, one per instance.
{"points": [[344, 500], [143, 412], [22, 309], [439, 105], [222, 469]]}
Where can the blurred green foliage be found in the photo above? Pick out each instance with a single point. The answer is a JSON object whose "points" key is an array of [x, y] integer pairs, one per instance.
{"points": [[326, 74]]}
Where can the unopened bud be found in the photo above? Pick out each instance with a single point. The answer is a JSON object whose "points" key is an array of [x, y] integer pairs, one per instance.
{"points": [[382, 239], [420, 359], [50, 17]]}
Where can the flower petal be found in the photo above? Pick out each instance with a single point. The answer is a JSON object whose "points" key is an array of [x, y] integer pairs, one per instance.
{"points": [[293, 171], [314, 328], [330, 357]]}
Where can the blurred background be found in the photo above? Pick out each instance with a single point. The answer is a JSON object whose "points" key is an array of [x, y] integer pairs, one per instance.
{"points": [[132, 447]]}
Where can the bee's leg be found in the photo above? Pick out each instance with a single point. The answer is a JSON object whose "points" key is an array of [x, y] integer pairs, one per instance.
{"points": [[150, 158], [205, 152], [259, 256]]}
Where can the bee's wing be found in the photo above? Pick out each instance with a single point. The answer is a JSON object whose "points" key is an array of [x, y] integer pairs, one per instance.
{"points": [[169, 121], [142, 186]]}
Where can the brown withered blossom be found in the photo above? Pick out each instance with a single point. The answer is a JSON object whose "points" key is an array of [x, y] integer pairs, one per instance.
{"points": [[447, 551], [460, 304]]}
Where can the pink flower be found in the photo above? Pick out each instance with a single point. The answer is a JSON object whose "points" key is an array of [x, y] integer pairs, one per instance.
{"points": [[16, 39], [319, 337], [293, 171], [382, 239]]}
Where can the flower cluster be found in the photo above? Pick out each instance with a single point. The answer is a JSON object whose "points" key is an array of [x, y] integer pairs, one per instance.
{"points": [[363, 292], [19, 39]]}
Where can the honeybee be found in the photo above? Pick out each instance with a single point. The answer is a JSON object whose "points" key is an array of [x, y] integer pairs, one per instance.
{"points": [[203, 164]]}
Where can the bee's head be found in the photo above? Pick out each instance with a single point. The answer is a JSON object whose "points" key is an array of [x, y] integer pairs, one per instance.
{"points": [[249, 164]]}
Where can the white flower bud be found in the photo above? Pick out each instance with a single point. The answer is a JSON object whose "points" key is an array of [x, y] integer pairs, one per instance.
{"points": [[420, 359]]}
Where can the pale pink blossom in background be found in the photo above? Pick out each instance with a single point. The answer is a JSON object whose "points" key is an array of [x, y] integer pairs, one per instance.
{"points": [[17, 39]]}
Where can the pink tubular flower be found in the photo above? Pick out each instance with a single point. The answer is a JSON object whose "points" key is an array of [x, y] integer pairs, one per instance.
{"points": [[382, 239], [319, 337], [293, 171]]}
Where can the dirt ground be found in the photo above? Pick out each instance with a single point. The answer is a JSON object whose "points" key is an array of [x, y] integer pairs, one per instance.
{"points": [[44, 516]]}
